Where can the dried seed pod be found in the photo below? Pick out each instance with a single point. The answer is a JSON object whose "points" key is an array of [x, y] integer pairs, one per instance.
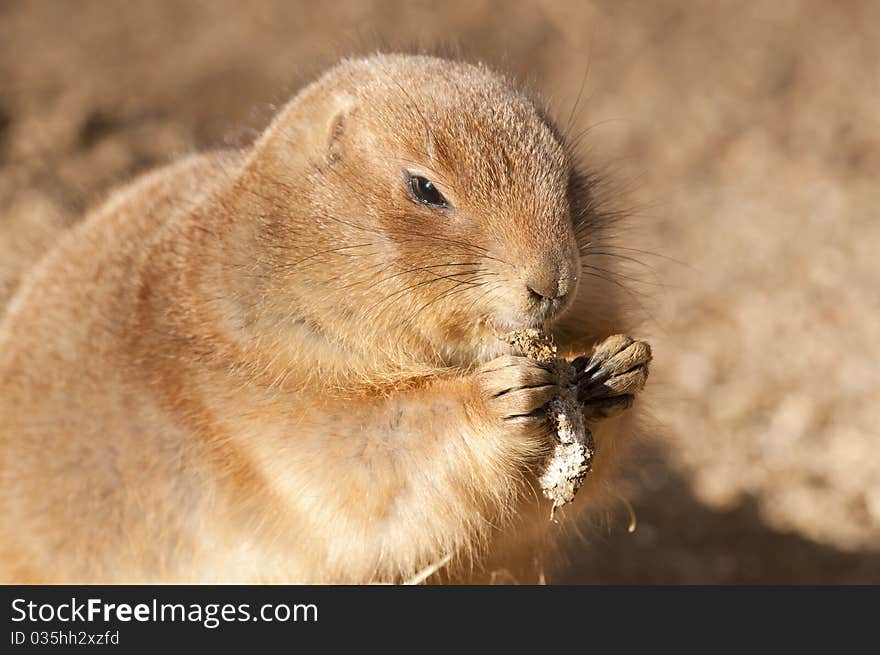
{"points": [[570, 461]]}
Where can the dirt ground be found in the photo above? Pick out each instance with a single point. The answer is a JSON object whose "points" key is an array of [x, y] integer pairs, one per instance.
{"points": [[745, 137]]}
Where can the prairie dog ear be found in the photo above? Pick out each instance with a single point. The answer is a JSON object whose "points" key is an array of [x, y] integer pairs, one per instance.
{"points": [[309, 130], [337, 130], [326, 117]]}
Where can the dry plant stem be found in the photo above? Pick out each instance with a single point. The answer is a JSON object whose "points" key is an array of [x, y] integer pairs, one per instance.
{"points": [[428, 571], [570, 461]]}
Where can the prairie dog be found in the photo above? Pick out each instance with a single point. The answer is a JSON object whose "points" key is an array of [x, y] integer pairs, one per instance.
{"points": [[281, 364]]}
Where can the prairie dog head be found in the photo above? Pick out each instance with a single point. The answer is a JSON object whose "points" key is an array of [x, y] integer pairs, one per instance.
{"points": [[415, 203]]}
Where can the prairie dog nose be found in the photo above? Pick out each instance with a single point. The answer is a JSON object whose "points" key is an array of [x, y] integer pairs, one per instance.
{"points": [[548, 283]]}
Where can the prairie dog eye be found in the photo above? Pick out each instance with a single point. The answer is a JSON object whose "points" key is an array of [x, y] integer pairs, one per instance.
{"points": [[424, 192]]}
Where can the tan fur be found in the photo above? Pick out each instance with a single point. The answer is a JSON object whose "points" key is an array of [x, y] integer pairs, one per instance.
{"points": [[274, 366]]}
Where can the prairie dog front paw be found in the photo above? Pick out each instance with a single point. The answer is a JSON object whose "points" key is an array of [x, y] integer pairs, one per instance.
{"points": [[608, 381], [514, 391]]}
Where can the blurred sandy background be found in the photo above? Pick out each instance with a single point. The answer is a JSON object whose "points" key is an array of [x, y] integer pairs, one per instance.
{"points": [[746, 135]]}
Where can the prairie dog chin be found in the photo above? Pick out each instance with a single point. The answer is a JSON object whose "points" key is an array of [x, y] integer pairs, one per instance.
{"points": [[280, 364]]}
